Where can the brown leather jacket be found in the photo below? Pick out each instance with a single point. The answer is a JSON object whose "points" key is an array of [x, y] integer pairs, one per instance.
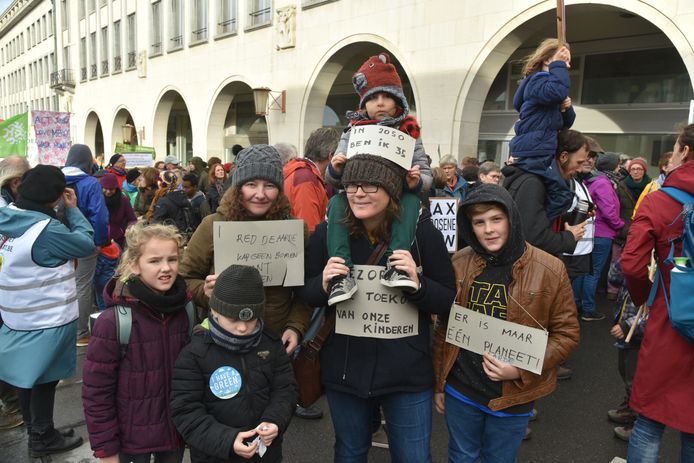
{"points": [[541, 285]]}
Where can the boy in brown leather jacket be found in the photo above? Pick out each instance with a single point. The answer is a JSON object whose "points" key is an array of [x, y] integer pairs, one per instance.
{"points": [[487, 402]]}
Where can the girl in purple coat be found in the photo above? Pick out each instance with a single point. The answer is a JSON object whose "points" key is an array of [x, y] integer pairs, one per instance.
{"points": [[127, 386]]}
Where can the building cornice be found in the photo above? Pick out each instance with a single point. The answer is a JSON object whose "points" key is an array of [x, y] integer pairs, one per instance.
{"points": [[14, 13]]}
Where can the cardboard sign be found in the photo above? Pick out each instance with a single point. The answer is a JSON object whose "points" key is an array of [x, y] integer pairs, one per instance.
{"points": [[521, 346], [137, 160], [52, 130], [274, 247], [376, 311], [444, 213], [382, 141]]}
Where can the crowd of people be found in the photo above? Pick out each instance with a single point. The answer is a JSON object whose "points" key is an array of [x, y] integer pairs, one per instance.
{"points": [[179, 353]]}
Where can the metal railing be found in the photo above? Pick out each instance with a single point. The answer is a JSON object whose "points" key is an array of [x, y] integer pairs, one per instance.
{"points": [[61, 78], [225, 27], [132, 60], [92, 68], [176, 42], [116, 63], [104, 67], [199, 35], [83, 74]]}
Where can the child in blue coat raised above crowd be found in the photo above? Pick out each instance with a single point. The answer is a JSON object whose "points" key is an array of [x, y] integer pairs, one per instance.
{"points": [[544, 106], [382, 102]]}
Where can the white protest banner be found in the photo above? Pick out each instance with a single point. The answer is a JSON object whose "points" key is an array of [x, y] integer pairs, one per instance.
{"points": [[274, 247], [376, 311], [519, 345], [138, 160], [382, 141], [444, 215]]}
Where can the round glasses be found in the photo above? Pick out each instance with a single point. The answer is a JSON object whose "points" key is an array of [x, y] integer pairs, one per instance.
{"points": [[366, 188]]}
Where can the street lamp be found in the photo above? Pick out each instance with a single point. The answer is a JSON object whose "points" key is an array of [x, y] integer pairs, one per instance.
{"points": [[264, 100]]}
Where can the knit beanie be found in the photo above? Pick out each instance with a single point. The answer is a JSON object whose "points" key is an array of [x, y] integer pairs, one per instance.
{"points": [[239, 293], [132, 175], [80, 156], [109, 181], [639, 162], [448, 160], [258, 162], [375, 170], [114, 159], [171, 159], [43, 184], [377, 75], [607, 162]]}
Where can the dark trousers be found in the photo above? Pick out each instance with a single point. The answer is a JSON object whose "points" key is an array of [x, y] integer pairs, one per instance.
{"points": [[37, 407], [626, 363], [159, 457]]}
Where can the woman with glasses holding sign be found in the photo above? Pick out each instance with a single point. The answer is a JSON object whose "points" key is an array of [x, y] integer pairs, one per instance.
{"points": [[505, 286], [379, 351]]}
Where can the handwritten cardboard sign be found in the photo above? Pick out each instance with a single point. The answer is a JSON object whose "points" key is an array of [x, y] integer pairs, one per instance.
{"points": [[274, 247], [382, 141], [521, 346], [376, 311], [137, 160], [444, 213], [52, 130]]}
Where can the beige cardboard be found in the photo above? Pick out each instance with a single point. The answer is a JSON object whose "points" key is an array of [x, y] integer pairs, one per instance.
{"points": [[376, 311], [519, 345], [382, 141], [444, 216], [274, 247]]}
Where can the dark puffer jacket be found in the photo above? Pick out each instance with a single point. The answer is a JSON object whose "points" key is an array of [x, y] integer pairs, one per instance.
{"points": [[368, 367], [126, 400], [210, 424]]}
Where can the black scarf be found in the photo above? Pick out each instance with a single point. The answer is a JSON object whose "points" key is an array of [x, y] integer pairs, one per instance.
{"points": [[29, 205], [236, 344], [113, 202], [172, 301]]}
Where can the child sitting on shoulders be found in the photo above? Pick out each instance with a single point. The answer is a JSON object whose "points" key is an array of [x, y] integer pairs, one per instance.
{"points": [[233, 385], [382, 102]]}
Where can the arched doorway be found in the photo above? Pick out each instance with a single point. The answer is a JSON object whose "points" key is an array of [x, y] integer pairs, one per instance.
{"points": [[124, 128], [172, 130], [630, 85], [233, 121], [94, 135], [332, 93]]}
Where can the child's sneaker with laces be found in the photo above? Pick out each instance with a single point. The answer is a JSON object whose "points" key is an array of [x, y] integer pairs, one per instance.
{"points": [[394, 278], [341, 288]]}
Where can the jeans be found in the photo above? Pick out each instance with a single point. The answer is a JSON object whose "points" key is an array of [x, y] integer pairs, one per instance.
{"points": [[159, 457], [84, 278], [644, 443], [586, 286], [408, 422], [475, 436]]}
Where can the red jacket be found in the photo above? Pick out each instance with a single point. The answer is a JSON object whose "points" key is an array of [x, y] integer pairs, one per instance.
{"points": [[305, 189], [662, 389], [126, 400]]}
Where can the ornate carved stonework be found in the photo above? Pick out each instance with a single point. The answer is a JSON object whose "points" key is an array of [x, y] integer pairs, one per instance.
{"points": [[285, 26]]}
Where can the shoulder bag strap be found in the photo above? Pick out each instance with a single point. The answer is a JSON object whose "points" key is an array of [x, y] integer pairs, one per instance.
{"points": [[317, 342]]}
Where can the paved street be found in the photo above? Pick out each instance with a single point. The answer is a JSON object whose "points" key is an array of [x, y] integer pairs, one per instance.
{"points": [[572, 426]]}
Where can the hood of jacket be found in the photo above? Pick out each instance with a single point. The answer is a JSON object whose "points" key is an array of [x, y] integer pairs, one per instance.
{"points": [[178, 198], [80, 156], [298, 164], [74, 174], [515, 245]]}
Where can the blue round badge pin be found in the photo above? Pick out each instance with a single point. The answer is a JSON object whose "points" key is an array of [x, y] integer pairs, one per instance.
{"points": [[225, 382]]}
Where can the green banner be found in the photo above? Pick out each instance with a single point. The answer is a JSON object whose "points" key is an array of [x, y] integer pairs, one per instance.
{"points": [[125, 148], [14, 133]]}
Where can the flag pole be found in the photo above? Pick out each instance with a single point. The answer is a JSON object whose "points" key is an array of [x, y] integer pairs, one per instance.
{"points": [[561, 22]]}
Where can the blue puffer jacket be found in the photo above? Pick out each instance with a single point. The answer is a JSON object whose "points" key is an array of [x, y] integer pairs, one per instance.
{"points": [[90, 200], [538, 100]]}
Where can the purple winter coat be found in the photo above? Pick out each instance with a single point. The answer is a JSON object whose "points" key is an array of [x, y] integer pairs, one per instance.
{"points": [[607, 219], [126, 400]]}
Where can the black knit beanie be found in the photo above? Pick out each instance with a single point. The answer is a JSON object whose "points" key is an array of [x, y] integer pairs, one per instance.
{"points": [[375, 170], [258, 162], [43, 184], [114, 159], [132, 175], [238, 293], [607, 162]]}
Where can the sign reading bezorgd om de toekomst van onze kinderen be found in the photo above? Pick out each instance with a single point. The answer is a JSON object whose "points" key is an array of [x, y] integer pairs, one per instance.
{"points": [[521, 346]]}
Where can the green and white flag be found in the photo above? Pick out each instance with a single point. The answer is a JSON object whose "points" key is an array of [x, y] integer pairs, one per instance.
{"points": [[14, 133]]}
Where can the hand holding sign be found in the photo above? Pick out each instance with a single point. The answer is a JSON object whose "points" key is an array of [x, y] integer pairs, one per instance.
{"points": [[498, 370]]}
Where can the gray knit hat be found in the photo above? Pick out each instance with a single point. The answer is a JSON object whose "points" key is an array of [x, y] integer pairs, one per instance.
{"points": [[375, 170], [258, 162], [607, 162], [238, 293]]}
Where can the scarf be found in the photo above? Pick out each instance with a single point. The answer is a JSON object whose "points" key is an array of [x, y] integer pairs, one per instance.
{"points": [[232, 342], [113, 202], [637, 187], [29, 205], [172, 301], [118, 170], [219, 185], [402, 121]]}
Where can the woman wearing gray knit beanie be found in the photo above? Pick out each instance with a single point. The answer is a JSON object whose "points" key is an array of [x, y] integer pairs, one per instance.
{"points": [[255, 194]]}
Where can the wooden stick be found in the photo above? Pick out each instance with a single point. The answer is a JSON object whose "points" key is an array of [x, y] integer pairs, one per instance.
{"points": [[639, 314], [561, 22]]}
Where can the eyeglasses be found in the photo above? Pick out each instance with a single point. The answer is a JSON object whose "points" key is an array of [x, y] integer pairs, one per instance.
{"points": [[636, 168], [366, 188]]}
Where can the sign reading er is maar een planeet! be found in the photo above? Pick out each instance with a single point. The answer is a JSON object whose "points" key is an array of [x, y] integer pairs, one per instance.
{"points": [[521, 346], [274, 247], [376, 311]]}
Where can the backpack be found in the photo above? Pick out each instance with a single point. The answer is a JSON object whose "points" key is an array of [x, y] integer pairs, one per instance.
{"points": [[680, 302], [124, 324]]}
